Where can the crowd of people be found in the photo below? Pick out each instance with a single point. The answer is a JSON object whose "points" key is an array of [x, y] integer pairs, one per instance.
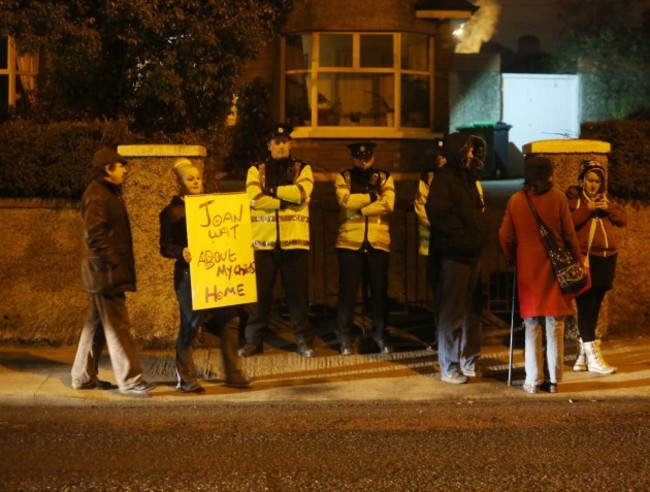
{"points": [[450, 207]]}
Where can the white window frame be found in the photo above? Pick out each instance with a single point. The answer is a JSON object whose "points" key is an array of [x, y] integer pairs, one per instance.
{"points": [[396, 132]]}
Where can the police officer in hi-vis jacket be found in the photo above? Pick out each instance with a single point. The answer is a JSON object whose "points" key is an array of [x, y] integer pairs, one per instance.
{"points": [[280, 189], [366, 196]]}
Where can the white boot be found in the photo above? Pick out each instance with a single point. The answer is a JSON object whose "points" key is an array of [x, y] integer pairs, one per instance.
{"points": [[581, 361], [595, 362]]}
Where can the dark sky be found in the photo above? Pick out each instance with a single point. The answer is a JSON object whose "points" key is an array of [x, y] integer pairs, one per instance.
{"points": [[540, 18]]}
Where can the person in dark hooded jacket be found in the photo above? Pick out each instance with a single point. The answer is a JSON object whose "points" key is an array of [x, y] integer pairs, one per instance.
{"points": [[455, 210], [596, 219]]}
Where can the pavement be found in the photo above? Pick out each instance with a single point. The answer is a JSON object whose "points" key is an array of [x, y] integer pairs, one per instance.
{"points": [[40, 374]]}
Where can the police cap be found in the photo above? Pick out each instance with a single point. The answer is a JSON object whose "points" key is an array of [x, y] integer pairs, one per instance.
{"points": [[279, 130], [361, 150]]}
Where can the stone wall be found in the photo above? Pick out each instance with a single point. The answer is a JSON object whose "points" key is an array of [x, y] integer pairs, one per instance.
{"points": [[43, 299], [40, 246], [629, 301], [149, 188]]}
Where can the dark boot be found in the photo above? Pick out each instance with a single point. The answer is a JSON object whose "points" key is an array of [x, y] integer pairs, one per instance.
{"points": [[229, 342]]}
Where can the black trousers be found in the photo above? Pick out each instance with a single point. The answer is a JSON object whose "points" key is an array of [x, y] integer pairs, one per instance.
{"points": [[293, 267], [588, 305], [602, 277], [351, 269]]}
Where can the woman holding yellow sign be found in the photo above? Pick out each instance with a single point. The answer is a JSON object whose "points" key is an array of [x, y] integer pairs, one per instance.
{"points": [[173, 244]]}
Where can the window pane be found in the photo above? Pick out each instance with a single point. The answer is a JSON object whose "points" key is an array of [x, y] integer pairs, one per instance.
{"points": [[298, 109], [415, 101], [336, 50], [356, 99], [4, 46], [4, 95], [298, 52], [415, 52], [377, 50]]}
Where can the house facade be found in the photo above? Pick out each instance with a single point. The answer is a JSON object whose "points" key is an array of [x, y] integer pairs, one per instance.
{"points": [[340, 71], [371, 69]]}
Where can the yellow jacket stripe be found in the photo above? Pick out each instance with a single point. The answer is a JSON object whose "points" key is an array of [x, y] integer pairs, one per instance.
{"points": [[361, 216], [287, 213]]}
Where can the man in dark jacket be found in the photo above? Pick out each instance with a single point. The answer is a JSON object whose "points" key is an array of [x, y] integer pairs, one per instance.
{"points": [[107, 272], [455, 210]]}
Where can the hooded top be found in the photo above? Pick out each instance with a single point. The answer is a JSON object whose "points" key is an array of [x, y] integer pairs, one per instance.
{"points": [[455, 150], [455, 206], [595, 167], [605, 240]]}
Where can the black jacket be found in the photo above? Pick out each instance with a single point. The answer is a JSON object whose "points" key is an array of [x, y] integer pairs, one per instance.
{"points": [[107, 264], [173, 230], [455, 210]]}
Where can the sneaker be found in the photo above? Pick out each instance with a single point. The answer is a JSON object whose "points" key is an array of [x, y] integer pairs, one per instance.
{"points": [[476, 372], [384, 346], [345, 349], [94, 383], [550, 387], [530, 388], [306, 350], [139, 389], [453, 378], [190, 387], [249, 350]]}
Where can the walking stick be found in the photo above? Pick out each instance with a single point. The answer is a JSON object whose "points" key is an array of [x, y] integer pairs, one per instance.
{"points": [[512, 323]]}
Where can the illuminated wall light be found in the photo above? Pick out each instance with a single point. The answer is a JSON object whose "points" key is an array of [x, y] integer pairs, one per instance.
{"points": [[458, 32]]}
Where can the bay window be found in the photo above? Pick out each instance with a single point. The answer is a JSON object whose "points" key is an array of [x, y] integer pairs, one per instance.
{"points": [[373, 81]]}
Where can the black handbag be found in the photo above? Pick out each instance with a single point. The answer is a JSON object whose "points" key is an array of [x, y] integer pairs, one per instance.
{"points": [[572, 276]]}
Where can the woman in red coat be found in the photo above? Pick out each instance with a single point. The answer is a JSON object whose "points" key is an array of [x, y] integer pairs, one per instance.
{"points": [[540, 301], [596, 219]]}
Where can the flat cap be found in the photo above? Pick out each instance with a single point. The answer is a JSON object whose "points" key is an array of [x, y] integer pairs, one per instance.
{"points": [[105, 157]]}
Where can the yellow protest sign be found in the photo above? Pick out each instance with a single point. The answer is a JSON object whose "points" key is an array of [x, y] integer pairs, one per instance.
{"points": [[220, 241]]}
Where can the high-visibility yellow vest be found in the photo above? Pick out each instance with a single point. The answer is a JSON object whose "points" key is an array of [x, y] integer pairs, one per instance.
{"points": [[362, 219], [421, 195], [280, 219]]}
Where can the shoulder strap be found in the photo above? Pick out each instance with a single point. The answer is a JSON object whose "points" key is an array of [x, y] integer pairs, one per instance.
{"points": [[592, 232], [539, 220], [547, 239]]}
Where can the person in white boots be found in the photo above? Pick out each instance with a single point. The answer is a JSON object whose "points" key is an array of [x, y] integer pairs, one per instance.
{"points": [[596, 218]]}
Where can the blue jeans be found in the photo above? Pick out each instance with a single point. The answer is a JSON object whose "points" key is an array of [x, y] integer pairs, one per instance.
{"points": [[533, 355], [226, 320], [459, 316]]}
